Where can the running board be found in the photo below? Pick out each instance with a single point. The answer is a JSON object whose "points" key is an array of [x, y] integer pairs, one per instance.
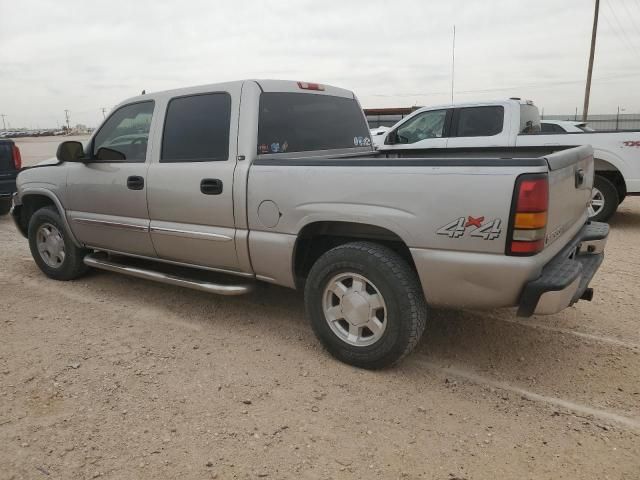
{"points": [[99, 261]]}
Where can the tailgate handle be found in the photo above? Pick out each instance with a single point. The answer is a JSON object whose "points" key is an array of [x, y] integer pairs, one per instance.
{"points": [[579, 177]]}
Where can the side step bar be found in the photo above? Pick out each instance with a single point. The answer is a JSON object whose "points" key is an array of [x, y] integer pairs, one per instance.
{"points": [[99, 261]]}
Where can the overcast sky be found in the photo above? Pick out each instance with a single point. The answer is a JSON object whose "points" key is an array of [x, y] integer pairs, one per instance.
{"points": [[85, 55]]}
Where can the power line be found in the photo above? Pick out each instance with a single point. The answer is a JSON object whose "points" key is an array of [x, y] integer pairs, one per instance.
{"points": [[624, 32], [630, 17], [515, 87]]}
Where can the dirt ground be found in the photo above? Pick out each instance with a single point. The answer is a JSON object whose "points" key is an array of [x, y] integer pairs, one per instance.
{"points": [[116, 377]]}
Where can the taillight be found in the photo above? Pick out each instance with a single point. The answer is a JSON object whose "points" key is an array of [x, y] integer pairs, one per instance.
{"points": [[529, 215], [310, 86], [17, 159]]}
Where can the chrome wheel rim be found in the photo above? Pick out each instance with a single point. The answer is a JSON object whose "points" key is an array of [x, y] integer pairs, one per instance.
{"points": [[354, 309], [50, 245], [597, 202]]}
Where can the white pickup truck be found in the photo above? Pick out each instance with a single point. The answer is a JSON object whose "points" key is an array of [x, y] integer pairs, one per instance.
{"points": [[515, 122], [277, 181]]}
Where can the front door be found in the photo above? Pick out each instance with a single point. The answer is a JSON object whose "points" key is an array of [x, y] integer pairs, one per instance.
{"points": [[107, 196], [424, 130], [191, 181]]}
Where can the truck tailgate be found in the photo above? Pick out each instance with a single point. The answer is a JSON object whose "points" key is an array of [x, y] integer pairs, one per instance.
{"points": [[570, 182]]}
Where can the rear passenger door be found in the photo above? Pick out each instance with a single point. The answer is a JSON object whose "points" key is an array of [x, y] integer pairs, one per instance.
{"points": [[190, 192], [481, 126]]}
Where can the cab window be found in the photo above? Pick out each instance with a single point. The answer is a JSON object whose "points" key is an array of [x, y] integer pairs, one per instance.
{"points": [[422, 127], [125, 134], [196, 128]]}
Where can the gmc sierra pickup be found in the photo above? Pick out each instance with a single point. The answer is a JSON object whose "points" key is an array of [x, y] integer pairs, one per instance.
{"points": [[10, 163], [515, 122], [277, 181]]}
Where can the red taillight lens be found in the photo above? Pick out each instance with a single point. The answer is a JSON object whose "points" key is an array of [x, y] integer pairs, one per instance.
{"points": [[310, 86], [529, 215], [17, 159], [533, 195]]}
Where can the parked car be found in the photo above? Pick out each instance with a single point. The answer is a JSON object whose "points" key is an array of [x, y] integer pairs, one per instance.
{"points": [[377, 135], [10, 164], [564, 126], [515, 122], [248, 178]]}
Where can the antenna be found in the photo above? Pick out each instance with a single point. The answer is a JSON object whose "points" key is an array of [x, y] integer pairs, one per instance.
{"points": [[453, 61]]}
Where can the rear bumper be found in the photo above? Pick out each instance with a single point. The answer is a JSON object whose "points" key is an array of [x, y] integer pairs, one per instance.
{"points": [[7, 185], [565, 279]]}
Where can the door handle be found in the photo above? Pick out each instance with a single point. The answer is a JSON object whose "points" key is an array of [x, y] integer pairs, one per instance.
{"points": [[135, 183], [579, 177], [211, 186]]}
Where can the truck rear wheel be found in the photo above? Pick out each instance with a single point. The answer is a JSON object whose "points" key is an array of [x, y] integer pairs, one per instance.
{"points": [[365, 304], [604, 199], [52, 248]]}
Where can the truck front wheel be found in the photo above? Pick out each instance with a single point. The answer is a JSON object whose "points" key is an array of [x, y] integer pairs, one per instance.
{"points": [[52, 248], [365, 304], [604, 199]]}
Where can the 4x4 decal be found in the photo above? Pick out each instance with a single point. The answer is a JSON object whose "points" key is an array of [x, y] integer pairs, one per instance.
{"points": [[488, 231]]}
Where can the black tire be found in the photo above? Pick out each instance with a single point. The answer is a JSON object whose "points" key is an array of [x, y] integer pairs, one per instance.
{"points": [[406, 308], [5, 206], [610, 196], [72, 266]]}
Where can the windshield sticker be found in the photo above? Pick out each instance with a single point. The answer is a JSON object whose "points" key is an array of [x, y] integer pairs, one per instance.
{"points": [[284, 147], [458, 228], [275, 147], [263, 148]]}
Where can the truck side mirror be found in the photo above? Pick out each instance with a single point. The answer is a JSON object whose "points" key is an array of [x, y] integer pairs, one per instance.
{"points": [[391, 138], [70, 151]]}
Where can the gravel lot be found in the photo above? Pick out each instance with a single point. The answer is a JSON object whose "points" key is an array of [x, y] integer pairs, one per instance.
{"points": [[121, 378]]}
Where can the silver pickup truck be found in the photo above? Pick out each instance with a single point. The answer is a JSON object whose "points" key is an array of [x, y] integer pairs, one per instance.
{"points": [[219, 186]]}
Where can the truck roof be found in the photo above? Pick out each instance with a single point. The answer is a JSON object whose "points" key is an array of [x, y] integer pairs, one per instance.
{"points": [[266, 85]]}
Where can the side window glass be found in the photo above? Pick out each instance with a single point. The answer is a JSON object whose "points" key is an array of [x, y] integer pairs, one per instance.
{"points": [[421, 127], [547, 128], [196, 129], [125, 135], [480, 121]]}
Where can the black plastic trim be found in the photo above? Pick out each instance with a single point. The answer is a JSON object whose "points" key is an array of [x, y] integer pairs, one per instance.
{"points": [[564, 268], [400, 162]]}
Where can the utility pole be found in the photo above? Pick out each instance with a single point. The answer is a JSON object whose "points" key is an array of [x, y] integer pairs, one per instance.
{"points": [[453, 60], [66, 114], [4, 125], [587, 91], [103, 112]]}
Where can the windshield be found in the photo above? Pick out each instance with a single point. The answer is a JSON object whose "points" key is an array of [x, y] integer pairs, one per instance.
{"points": [[302, 122]]}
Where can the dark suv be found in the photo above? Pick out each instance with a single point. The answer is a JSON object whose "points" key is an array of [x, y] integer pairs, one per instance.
{"points": [[10, 163]]}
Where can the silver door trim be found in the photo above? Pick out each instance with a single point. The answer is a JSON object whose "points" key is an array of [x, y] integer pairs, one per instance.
{"points": [[191, 234], [171, 262], [107, 223]]}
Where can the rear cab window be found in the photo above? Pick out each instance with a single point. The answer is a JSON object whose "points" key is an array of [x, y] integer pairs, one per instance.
{"points": [[304, 122], [529, 119]]}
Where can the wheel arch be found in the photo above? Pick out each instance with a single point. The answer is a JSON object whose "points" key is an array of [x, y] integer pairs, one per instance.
{"points": [[610, 168], [33, 199], [318, 237]]}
